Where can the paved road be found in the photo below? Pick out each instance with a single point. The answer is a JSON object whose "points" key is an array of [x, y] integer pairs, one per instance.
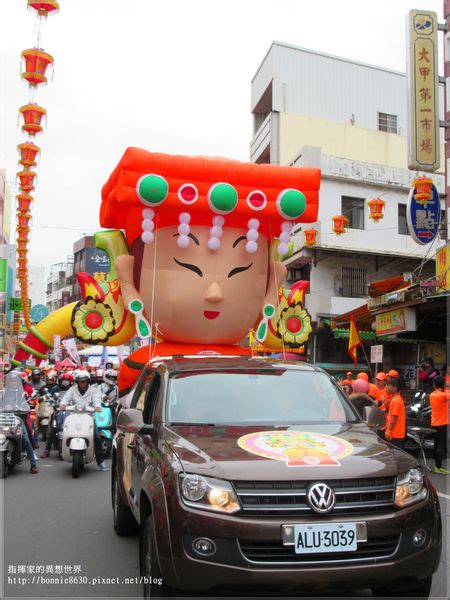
{"points": [[53, 520]]}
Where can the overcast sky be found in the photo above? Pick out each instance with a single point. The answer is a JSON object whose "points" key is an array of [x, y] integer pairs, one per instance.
{"points": [[169, 75]]}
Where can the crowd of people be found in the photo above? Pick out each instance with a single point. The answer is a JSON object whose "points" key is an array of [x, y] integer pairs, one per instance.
{"points": [[79, 387], [387, 393]]}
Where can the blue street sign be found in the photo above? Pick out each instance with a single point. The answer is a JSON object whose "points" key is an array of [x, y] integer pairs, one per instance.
{"points": [[424, 217]]}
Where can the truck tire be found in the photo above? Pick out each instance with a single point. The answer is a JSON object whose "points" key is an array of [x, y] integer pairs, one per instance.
{"points": [[123, 519], [153, 583], [422, 589]]}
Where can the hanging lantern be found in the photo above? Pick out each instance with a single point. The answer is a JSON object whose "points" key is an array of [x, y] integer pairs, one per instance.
{"points": [[339, 224], [22, 263], [23, 219], [22, 253], [36, 63], [32, 116], [376, 207], [423, 187], [28, 152], [23, 202], [43, 8], [310, 237], [26, 179], [21, 272]]}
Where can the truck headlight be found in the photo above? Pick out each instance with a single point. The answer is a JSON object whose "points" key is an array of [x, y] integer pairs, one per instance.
{"points": [[410, 488], [208, 493]]}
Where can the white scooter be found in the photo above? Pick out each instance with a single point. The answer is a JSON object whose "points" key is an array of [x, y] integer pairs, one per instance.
{"points": [[78, 437]]}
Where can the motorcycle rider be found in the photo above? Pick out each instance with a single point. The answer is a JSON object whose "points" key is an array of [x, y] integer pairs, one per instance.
{"points": [[108, 387], [82, 394], [36, 381], [65, 382], [52, 384]]}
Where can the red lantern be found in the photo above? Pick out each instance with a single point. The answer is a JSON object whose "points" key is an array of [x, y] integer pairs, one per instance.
{"points": [[339, 224], [36, 63], [28, 152], [24, 201], [310, 237], [26, 179], [23, 219], [43, 8], [423, 186], [32, 116], [21, 272], [22, 253], [376, 207]]}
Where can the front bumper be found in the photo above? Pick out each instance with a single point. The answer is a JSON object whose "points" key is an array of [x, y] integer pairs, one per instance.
{"points": [[250, 554]]}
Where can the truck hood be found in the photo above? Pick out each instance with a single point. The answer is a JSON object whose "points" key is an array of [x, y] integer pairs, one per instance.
{"points": [[328, 451]]}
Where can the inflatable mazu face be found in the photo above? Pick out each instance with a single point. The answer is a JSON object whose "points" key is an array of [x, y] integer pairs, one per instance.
{"points": [[200, 232]]}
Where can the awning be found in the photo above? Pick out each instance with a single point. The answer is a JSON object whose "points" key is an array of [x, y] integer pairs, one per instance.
{"points": [[360, 315], [385, 286]]}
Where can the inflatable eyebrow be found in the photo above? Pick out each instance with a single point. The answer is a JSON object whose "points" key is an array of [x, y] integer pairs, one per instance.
{"points": [[196, 268]]}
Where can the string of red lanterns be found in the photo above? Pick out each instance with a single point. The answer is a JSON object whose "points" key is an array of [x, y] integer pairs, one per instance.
{"points": [[35, 63]]}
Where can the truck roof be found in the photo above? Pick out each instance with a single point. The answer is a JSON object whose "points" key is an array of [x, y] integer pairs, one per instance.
{"points": [[226, 363]]}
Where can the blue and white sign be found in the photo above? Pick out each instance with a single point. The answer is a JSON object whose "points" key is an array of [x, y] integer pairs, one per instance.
{"points": [[38, 312], [424, 216]]}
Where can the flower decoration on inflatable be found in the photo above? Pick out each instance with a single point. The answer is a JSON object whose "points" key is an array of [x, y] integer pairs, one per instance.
{"points": [[290, 326], [92, 321]]}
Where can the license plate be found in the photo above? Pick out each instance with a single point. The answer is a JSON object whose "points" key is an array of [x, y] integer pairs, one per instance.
{"points": [[327, 537]]}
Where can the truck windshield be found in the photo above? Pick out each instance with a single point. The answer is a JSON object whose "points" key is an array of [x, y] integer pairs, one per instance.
{"points": [[276, 396]]}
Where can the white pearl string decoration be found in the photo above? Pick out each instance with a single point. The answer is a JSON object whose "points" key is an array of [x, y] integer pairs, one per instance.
{"points": [[215, 233], [147, 225], [285, 238], [252, 236], [184, 230]]}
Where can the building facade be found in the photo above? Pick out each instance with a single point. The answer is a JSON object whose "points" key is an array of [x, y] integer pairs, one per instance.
{"points": [[348, 119], [59, 285]]}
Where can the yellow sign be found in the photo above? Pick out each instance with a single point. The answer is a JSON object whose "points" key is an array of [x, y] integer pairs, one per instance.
{"points": [[423, 81], [396, 321], [442, 269]]}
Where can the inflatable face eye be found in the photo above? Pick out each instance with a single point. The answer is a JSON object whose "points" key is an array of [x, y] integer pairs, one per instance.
{"points": [[291, 204], [188, 193], [152, 190]]}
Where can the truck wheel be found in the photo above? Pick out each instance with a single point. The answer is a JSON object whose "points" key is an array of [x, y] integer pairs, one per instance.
{"points": [[422, 589], [123, 519], [76, 464], [153, 582]]}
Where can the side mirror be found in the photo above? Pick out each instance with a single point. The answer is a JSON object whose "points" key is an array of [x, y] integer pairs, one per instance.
{"points": [[130, 421], [374, 417]]}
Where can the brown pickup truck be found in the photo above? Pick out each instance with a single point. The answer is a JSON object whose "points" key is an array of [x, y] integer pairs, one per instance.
{"points": [[252, 475]]}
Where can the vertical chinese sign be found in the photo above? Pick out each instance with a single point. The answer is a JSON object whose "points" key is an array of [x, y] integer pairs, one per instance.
{"points": [[423, 99]]}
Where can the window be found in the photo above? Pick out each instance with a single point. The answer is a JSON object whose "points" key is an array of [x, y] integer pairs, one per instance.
{"points": [[387, 122], [402, 223], [354, 282], [353, 209]]}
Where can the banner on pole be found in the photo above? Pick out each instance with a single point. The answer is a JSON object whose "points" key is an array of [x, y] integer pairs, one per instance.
{"points": [[71, 349]]}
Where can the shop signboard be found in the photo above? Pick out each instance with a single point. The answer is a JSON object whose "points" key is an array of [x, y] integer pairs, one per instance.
{"points": [[376, 354], [97, 264], [423, 217], [3, 274], [396, 321], [423, 97], [443, 269]]}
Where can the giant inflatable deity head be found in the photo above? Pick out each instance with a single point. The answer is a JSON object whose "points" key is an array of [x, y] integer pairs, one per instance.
{"points": [[200, 232]]}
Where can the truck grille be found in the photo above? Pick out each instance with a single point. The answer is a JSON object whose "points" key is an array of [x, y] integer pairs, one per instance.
{"points": [[275, 552], [288, 498]]}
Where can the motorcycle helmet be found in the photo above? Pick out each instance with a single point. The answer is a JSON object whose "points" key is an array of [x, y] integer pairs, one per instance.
{"points": [[110, 376], [35, 375], [51, 377], [66, 381], [82, 376], [99, 375]]}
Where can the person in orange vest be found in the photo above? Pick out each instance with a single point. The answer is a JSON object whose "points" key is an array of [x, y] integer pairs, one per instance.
{"points": [[439, 420], [396, 416], [349, 378]]}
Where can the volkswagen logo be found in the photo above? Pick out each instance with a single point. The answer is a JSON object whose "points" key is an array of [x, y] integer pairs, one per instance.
{"points": [[321, 497]]}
